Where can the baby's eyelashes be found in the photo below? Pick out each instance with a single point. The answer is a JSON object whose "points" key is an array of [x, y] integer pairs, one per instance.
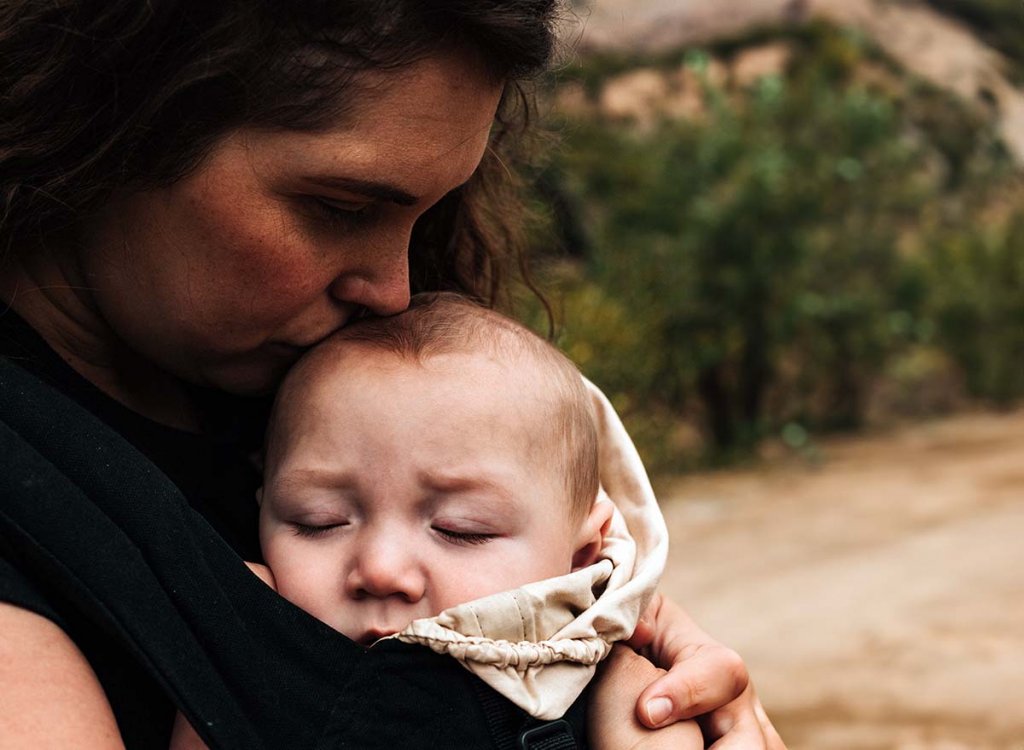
{"points": [[316, 529], [463, 537]]}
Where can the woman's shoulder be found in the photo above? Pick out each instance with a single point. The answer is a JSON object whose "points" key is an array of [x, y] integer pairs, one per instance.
{"points": [[49, 693]]}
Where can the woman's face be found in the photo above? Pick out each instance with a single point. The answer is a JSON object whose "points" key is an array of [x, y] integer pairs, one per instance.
{"points": [[280, 237]]}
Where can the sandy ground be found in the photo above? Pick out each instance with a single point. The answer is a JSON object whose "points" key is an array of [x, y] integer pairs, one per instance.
{"points": [[877, 598]]}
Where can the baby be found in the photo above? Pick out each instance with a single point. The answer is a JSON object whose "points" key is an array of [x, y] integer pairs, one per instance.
{"points": [[419, 462]]}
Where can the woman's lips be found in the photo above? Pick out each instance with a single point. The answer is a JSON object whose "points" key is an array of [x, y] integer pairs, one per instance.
{"points": [[297, 346], [282, 349]]}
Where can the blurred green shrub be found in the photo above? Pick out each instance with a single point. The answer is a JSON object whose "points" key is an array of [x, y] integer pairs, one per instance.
{"points": [[976, 278]]}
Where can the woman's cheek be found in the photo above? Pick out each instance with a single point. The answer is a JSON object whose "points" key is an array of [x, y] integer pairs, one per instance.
{"points": [[267, 283], [252, 243]]}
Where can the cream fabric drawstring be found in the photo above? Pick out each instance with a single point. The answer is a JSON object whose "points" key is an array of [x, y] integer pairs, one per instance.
{"points": [[540, 644]]}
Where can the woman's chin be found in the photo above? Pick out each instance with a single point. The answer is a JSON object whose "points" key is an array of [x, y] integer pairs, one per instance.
{"points": [[247, 378]]}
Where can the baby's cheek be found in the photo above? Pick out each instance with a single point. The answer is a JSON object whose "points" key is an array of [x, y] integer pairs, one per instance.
{"points": [[299, 573], [453, 592], [466, 580], [308, 591]]}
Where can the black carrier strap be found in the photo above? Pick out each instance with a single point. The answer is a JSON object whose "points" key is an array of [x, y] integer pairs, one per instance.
{"points": [[511, 728], [552, 735]]}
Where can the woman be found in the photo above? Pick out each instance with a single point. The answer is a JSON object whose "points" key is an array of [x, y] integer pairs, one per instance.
{"points": [[194, 194]]}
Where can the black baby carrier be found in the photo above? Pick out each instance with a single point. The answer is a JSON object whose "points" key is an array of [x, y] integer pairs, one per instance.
{"points": [[97, 539]]}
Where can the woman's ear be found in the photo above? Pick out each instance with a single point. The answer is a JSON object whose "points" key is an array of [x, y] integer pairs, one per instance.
{"points": [[591, 534]]}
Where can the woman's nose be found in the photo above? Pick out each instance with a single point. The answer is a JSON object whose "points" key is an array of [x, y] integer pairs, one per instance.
{"points": [[383, 569], [381, 283]]}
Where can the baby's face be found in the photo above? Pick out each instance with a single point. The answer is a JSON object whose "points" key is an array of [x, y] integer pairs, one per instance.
{"points": [[399, 489]]}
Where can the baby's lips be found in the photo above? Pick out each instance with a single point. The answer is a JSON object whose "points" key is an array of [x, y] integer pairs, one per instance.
{"points": [[371, 636]]}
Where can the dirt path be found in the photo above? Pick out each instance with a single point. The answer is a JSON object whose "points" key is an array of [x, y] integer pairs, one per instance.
{"points": [[878, 599]]}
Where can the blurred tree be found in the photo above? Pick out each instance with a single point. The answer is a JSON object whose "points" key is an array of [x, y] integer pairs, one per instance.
{"points": [[759, 233], [977, 282], [769, 257]]}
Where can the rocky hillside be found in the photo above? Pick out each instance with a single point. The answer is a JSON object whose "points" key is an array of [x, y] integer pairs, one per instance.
{"points": [[928, 44]]}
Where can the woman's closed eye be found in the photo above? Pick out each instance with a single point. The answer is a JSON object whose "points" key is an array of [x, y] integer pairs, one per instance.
{"points": [[343, 213]]}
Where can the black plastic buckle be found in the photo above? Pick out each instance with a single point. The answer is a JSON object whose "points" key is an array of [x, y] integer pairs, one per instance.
{"points": [[554, 735]]}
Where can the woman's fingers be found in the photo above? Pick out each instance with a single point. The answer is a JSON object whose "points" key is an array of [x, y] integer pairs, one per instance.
{"points": [[708, 677], [612, 722], [644, 632], [703, 674], [712, 684], [738, 723], [705, 680], [773, 738], [741, 725], [745, 734]]}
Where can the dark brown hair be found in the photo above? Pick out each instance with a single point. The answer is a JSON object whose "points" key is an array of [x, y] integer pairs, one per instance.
{"points": [[97, 95], [444, 323]]}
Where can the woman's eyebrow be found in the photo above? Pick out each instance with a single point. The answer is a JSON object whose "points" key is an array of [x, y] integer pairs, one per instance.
{"points": [[369, 188]]}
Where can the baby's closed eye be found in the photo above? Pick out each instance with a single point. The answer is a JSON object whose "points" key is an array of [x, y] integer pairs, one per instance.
{"points": [[317, 527], [465, 537]]}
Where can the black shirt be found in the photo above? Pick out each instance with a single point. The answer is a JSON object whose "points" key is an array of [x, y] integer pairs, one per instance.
{"points": [[216, 470]]}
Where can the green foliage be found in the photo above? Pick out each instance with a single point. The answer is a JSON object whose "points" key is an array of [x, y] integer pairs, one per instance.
{"points": [[612, 346], [751, 266], [977, 282]]}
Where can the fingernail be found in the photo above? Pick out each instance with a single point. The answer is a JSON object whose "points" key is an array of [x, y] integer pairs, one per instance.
{"points": [[659, 709]]}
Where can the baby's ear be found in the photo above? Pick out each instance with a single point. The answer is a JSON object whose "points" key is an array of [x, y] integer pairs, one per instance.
{"points": [[590, 537]]}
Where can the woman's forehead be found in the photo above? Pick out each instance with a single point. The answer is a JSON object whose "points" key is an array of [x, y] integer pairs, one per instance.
{"points": [[422, 130]]}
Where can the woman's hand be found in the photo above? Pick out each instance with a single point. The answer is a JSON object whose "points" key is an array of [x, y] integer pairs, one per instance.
{"points": [[612, 722], [706, 681]]}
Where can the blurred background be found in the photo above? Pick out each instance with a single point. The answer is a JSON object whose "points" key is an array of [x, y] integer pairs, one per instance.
{"points": [[787, 238]]}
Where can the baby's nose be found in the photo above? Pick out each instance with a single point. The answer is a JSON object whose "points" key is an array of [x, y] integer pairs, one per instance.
{"points": [[385, 569]]}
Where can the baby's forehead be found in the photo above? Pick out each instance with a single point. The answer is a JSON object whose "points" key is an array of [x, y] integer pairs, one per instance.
{"points": [[348, 359], [523, 391], [351, 360], [356, 378], [348, 370]]}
